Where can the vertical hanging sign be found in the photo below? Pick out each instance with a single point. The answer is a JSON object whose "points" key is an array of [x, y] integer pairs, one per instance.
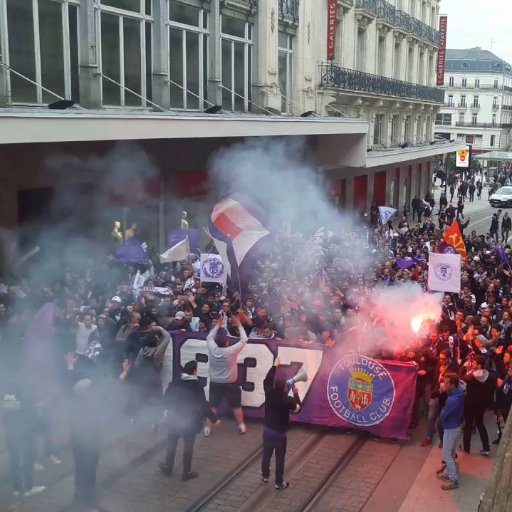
{"points": [[331, 29], [441, 53]]}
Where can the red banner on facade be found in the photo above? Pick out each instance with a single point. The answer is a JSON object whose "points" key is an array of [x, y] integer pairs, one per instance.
{"points": [[441, 54], [331, 29]]}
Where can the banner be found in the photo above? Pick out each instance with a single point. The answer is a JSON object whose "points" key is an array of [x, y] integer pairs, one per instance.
{"points": [[331, 29], [212, 269], [441, 53], [444, 272], [343, 390]]}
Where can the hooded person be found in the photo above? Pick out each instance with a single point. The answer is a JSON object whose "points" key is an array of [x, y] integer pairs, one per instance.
{"points": [[481, 385], [187, 409], [223, 369]]}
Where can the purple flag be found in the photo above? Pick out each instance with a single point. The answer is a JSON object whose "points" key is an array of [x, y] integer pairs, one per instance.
{"points": [[131, 252], [502, 255], [178, 235], [404, 264], [343, 390]]}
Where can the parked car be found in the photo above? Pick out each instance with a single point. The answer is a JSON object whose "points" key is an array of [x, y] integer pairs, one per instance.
{"points": [[502, 198]]}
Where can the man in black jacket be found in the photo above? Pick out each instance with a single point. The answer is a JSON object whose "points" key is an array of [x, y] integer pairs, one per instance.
{"points": [[278, 406], [187, 406]]}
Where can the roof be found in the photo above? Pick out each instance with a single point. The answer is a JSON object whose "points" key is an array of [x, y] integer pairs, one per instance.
{"points": [[476, 60], [503, 156]]}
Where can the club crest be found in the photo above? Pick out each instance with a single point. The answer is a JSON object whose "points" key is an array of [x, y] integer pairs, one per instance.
{"points": [[213, 268], [360, 390], [443, 271]]}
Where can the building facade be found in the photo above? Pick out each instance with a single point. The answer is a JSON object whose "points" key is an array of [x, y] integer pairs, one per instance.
{"points": [[209, 72], [478, 100]]}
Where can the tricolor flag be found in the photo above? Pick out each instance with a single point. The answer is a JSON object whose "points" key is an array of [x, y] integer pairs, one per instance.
{"points": [[232, 223], [386, 214], [453, 237]]}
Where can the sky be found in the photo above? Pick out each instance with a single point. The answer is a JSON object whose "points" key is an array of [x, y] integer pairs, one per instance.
{"points": [[476, 22]]}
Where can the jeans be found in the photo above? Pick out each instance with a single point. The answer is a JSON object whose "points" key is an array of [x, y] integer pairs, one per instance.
{"points": [[433, 415], [188, 450], [21, 456], [86, 462], [273, 441], [475, 414], [44, 429], [450, 439]]}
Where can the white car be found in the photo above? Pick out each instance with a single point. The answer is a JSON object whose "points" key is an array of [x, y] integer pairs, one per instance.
{"points": [[502, 198]]}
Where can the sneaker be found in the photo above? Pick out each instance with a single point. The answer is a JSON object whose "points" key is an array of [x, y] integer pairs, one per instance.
{"points": [[165, 469], [38, 466], [34, 490], [55, 460], [206, 431], [242, 428], [440, 471], [496, 441], [189, 476], [264, 479], [449, 485], [485, 453], [442, 476], [426, 441], [281, 487]]}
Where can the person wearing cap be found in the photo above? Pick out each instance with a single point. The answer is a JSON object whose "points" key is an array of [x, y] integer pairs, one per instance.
{"points": [[223, 369], [179, 323], [278, 406], [115, 309], [187, 409]]}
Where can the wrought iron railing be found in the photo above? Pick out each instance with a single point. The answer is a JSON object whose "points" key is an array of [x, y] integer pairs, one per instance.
{"points": [[289, 9], [400, 19], [357, 81], [482, 125]]}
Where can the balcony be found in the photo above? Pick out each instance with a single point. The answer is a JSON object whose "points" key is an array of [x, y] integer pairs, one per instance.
{"points": [[495, 106], [483, 125], [475, 107], [462, 106], [449, 104], [506, 107], [397, 18], [289, 10], [366, 83]]}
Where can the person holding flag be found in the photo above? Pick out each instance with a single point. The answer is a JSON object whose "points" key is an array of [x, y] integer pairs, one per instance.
{"points": [[453, 237]]}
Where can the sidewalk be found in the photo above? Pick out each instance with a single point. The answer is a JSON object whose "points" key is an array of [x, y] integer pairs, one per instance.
{"points": [[425, 495]]}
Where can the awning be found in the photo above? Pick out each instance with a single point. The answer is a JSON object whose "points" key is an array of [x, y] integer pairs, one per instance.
{"points": [[32, 126], [500, 156]]}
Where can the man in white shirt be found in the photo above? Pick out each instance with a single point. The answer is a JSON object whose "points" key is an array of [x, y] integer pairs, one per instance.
{"points": [[224, 371], [83, 331]]}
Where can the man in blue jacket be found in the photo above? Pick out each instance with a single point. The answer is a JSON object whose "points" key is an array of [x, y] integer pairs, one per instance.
{"points": [[452, 416]]}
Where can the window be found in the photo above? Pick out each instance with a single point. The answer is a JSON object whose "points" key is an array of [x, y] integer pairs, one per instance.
{"points": [[462, 117], [476, 104], [125, 50], [477, 83], [444, 119], [42, 44], [419, 130], [450, 100], [474, 119], [408, 128], [378, 130], [395, 129], [494, 119], [496, 84], [470, 139], [188, 56], [285, 47], [463, 101], [464, 82], [493, 140], [236, 63], [451, 82]]}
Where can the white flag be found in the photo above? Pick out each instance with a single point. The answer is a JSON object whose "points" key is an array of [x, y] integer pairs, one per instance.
{"points": [[444, 272], [386, 214], [178, 252], [212, 269]]}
